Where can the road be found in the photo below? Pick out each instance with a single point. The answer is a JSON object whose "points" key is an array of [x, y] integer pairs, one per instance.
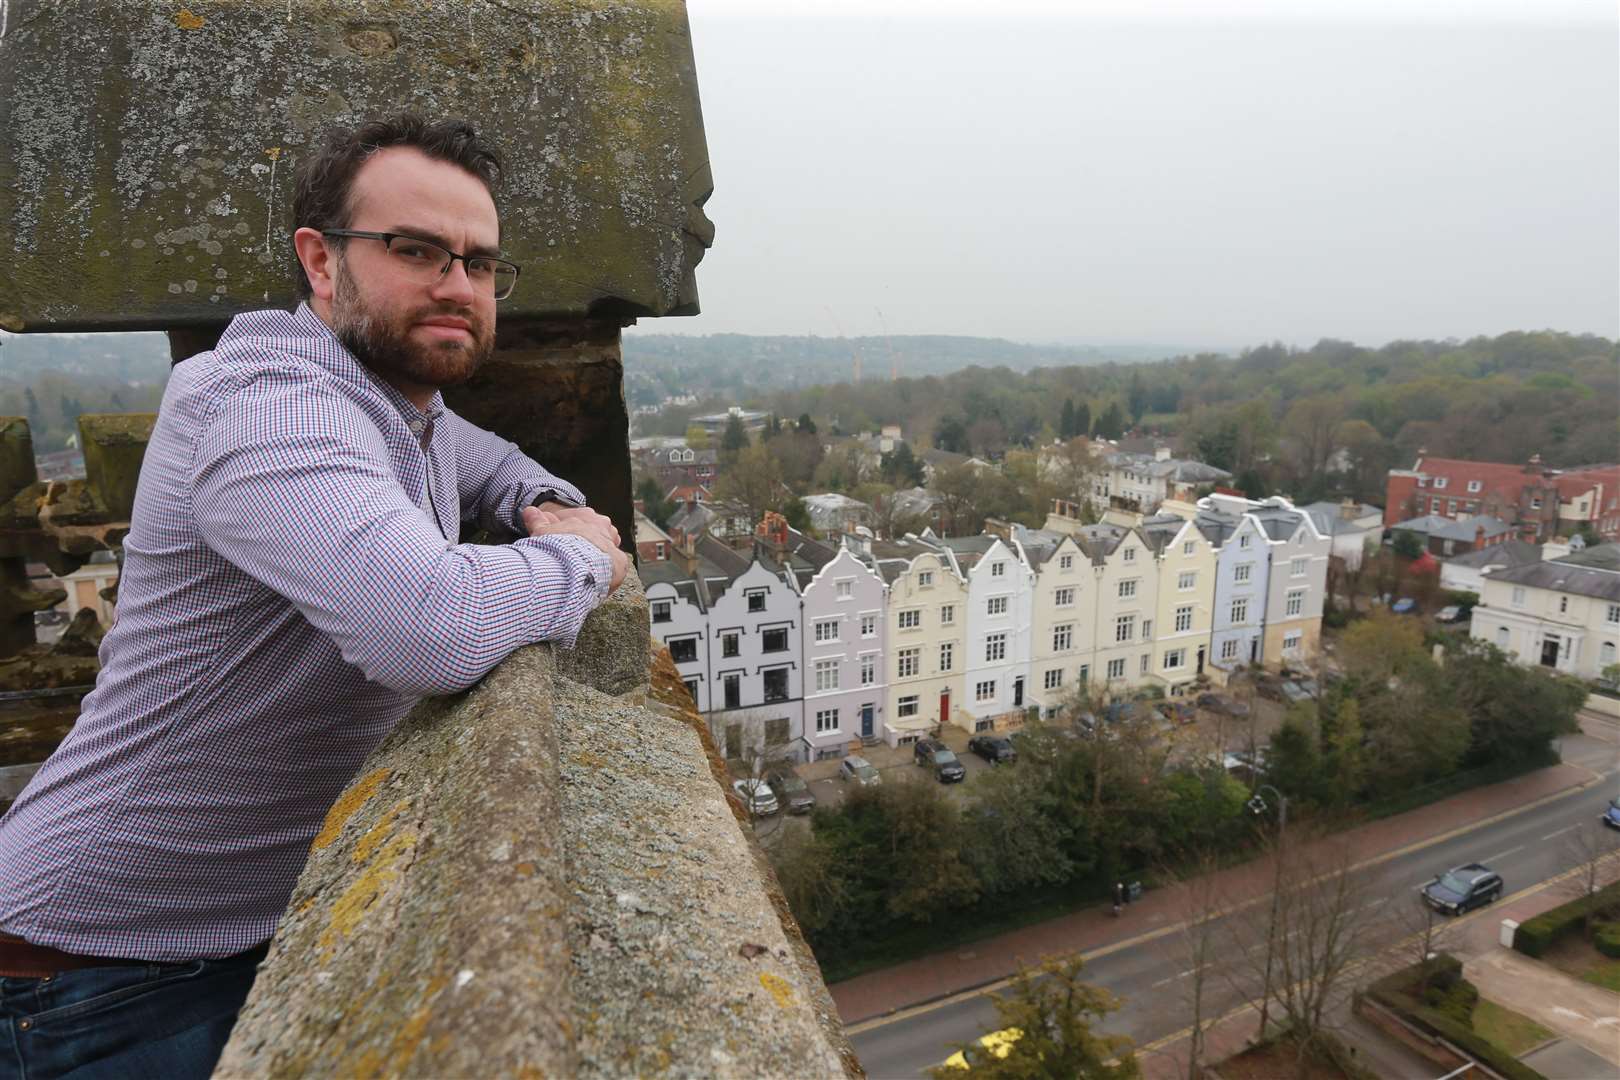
{"points": [[1526, 848]]}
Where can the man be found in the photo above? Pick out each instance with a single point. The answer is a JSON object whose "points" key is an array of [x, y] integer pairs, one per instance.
{"points": [[293, 583]]}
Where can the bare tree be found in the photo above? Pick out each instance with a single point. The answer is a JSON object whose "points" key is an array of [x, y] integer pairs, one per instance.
{"points": [[1318, 927], [1196, 946], [1595, 851]]}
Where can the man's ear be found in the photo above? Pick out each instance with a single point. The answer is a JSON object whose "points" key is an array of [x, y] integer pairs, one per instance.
{"points": [[319, 261]]}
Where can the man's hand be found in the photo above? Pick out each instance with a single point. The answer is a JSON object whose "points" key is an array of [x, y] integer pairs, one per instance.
{"points": [[551, 519]]}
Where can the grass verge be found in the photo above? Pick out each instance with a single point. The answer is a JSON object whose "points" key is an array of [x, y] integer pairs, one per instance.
{"points": [[1504, 1028]]}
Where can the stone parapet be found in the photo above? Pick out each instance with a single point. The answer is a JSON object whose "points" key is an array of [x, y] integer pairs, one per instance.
{"points": [[541, 876]]}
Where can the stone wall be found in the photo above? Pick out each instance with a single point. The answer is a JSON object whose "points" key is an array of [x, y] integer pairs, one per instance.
{"points": [[541, 877]]}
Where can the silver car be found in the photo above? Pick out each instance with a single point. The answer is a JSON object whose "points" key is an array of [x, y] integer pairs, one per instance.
{"points": [[860, 770], [757, 796]]}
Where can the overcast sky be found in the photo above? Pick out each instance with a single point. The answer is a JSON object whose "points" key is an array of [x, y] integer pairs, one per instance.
{"points": [[1210, 173]]}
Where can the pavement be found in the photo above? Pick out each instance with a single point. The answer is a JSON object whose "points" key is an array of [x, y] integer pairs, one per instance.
{"points": [[1579, 1011], [1095, 931]]}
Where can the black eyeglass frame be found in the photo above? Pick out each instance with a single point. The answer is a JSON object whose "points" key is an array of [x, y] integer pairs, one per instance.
{"points": [[388, 239]]}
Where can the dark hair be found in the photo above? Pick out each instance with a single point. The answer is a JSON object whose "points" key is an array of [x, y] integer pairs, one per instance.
{"points": [[323, 180]]}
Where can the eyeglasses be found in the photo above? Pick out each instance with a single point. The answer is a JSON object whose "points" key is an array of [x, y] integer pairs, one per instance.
{"points": [[427, 262]]}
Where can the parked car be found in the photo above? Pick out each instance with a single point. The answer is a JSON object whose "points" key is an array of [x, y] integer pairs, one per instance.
{"points": [[1086, 724], [1448, 614], [1243, 764], [993, 748], [1269, 687], [1404, 606], [1179, 712], [1293, 692], [860, 770], [1463, 888], [757, 796], [1611, 814], [1229, 706], [998, 1043], [791, 791], [934, 754]]}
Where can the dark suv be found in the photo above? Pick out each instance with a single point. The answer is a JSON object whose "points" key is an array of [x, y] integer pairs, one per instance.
{"points": [[1463, 888], [933, 753], [792, 792], [993, 748]]}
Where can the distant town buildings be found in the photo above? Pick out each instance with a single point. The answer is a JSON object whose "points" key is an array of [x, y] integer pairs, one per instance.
{"points": [[1539, 503], [715, 424], [1140, 482]]}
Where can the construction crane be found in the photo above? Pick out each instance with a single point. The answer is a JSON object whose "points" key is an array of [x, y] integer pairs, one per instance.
{"points": [[894, 361]]}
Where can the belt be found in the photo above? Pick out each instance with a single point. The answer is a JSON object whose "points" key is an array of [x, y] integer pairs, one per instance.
{"points": [[21, 959]]}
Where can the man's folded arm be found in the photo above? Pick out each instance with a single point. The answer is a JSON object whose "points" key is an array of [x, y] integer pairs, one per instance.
{"points": [[313, 511], [497, 480]]}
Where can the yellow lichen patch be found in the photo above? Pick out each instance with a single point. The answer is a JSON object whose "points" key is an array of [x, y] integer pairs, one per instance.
{"points": [[778, 988], [351, 907], [188, 20], [525, 869], [348, 803], [377, 833]]}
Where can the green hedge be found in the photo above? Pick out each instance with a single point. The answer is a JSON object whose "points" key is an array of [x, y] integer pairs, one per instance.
{"points": [[1394, 992], [1535, 936], [1608, 939]]}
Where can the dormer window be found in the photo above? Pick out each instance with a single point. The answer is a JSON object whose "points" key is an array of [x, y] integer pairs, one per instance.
{"points": [[1065, 562], [1440, 483], [925, 578], [756, 600], [998, 569], [1243, 541], [1474, 486]]}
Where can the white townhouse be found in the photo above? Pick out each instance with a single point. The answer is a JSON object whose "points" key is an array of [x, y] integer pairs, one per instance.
{"points": [[1185, 563], [1562, 614], [1123, 619], [680, 621], [845, 677], [1065, 596], [926, 630], [1000, 625], [1297, 582], [1242, 569], [756, 663]]}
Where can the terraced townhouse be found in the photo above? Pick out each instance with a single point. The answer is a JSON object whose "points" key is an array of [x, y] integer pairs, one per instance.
{"points": [[927, 624]]}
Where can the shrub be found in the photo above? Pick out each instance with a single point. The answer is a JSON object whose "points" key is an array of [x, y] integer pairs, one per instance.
{"points": [[1456, 1001], [1608, 939], [1535, 936], [1393, 992]]}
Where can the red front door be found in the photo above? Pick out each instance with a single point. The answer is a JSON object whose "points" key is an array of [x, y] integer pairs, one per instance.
{"points": [[944, 706]]}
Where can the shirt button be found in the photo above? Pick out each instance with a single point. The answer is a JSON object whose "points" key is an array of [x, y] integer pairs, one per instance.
{"points": [[416, 427], [24, 1025]]}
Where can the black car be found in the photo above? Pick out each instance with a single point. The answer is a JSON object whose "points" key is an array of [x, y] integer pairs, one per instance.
{"points": [[933, 753], [1463, 888], [993, 748], [792, 792], [1611, 814]]}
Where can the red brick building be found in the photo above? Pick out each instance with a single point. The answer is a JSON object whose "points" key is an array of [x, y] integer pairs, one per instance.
{"points": [[1539, 502]]}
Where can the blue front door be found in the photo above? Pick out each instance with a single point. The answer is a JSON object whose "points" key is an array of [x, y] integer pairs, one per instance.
{"points": [[866, 721]]}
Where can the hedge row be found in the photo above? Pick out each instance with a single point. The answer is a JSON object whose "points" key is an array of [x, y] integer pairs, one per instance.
{"points": [[1608, 939], [1393, 992], [1535, 936]]}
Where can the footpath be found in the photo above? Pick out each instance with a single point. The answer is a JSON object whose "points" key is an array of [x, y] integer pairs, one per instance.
{"points": [[982, 964]]}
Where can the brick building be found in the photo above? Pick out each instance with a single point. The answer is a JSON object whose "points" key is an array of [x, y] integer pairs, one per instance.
{"points": [[1537, 501]]}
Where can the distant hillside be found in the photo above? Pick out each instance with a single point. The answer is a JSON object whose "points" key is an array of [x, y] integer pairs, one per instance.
{"points": [[52, 378], [740, 365]]}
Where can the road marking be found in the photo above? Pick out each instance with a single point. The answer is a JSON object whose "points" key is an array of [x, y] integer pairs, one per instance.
{"points": [[1173, 978], [1562, 831], [997, 985], [1502, 854]]}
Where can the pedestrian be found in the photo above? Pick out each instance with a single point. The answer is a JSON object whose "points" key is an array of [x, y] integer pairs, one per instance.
{"points": [[1119, 896], [293, 583]]}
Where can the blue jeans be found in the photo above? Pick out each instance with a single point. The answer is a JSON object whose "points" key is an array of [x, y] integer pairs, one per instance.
{"points": [[138, 1022]]}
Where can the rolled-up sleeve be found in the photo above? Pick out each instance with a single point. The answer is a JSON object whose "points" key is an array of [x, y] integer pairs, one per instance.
{"points": [[292, 485]]}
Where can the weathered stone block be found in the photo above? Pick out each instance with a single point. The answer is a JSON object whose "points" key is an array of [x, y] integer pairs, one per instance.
{"points": [[611, 652], [114, 445], [426, 936], [150, 148], [17, 469]]}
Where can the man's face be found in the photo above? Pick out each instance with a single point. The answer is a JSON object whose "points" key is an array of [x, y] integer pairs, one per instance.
{"points": [[416, 335]]}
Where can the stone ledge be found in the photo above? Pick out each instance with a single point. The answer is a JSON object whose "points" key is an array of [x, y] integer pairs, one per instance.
{"points": [[538, 877]]}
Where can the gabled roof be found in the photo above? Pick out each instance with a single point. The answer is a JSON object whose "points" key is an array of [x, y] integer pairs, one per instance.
{"points": [[1500, 477], [1329, 519], [1597, 574]]}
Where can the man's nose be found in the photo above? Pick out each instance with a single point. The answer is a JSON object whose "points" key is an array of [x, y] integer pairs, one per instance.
{"points": [[455, 285]]}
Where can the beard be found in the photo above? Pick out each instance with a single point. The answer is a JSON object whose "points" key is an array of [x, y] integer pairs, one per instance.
{"points": [[381, 340]]}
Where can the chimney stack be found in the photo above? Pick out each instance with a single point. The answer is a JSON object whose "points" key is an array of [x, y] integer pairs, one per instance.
{"points": [[1348, 509], [1161, 453]]}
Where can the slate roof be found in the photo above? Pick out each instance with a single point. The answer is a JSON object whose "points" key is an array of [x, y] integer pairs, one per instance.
{"points": [[1329, 521], [1181, 470], [1594, 572], [1509, 554], [1468, 528]]}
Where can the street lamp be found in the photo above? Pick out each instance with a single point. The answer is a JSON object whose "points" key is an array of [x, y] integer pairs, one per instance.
{"points": [[1257, 805]]}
